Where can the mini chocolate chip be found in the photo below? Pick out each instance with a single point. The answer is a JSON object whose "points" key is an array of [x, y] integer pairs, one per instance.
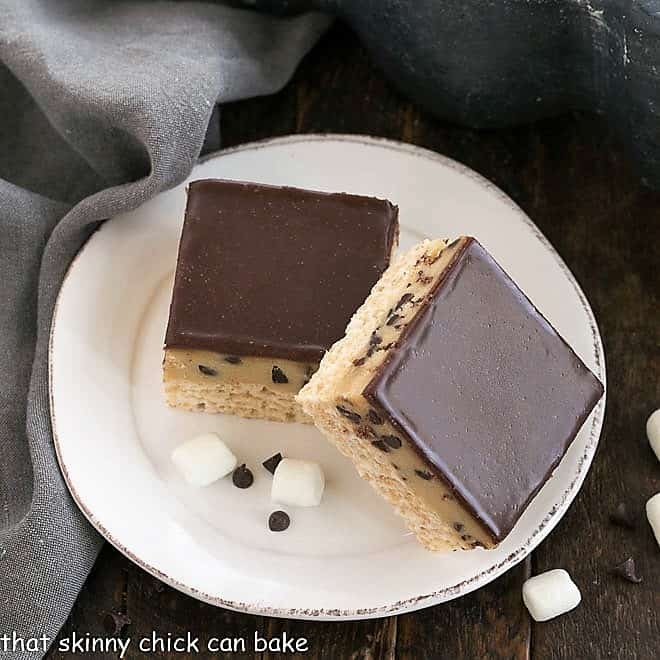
{"points": [[406, 297], [278, 521], [393, 319], [627, 570], [349, 414], [379, 444], [242, 477], [207, 371], [278, 375], [375, 339], [391, 440], [622, 517], [115, 622], [459, 527], [422, 474], [271, 463], [374, 417], [233, 359], [465, 537], [359, 361]]}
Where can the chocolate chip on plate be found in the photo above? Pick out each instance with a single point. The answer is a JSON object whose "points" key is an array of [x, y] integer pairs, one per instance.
{"points": [[207, 371], [233, 359], [627, 570], [278, 375], [242, 477], [622, 517], [278, 521], [271, 463]]}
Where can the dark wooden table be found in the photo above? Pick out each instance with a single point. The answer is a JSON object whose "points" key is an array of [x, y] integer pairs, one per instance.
{"points": [[571, 176]]}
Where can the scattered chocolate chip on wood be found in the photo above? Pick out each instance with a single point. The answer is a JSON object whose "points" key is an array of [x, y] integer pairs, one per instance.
{"points": [[627, 570], [278, 521], [271, 463], [278, 375], [622, 517], [207, 371], [242, 477], [115, 622]]}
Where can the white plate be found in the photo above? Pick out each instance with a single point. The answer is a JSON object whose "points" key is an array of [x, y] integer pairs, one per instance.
{"points": [[351, 557]]}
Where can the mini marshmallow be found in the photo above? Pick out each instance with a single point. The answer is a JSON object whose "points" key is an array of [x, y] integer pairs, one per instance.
{"points": [[550, 594], [204, 459], [653, 515], [297, 483], [653, 432]]}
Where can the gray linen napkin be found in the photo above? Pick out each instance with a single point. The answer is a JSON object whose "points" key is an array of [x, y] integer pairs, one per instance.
{"points": [[102, 105]]}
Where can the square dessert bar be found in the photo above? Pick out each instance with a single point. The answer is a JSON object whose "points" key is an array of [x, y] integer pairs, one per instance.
{"points": [[266, 281], [454, 397]]}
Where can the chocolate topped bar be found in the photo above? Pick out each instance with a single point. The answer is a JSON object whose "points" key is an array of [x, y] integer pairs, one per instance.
{"points": [[266, 280], [275, 272], [454, 397], [484, 387]]}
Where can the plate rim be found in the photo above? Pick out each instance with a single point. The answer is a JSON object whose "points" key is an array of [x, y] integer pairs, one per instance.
{"points": [[480, 579]]}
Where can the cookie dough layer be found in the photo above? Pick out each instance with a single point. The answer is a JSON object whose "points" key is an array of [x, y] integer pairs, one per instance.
{"points": [[383, 455], [452, 394], [247, 386]]}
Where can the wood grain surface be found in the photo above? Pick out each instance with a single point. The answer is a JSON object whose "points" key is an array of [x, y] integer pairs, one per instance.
{"points": [[576, 183]]}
